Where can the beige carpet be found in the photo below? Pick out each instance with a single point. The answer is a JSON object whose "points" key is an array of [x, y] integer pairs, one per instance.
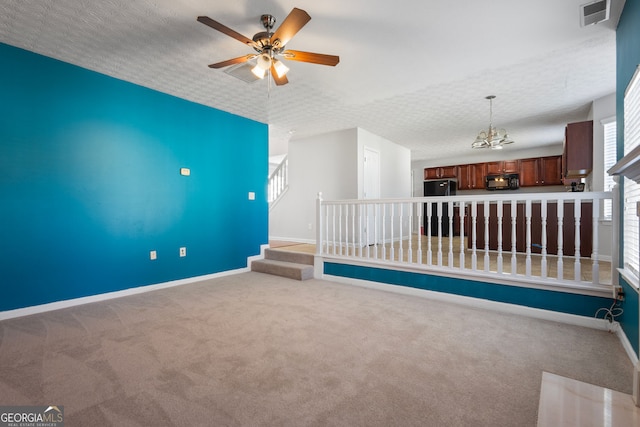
{"points": [[253, 349]]}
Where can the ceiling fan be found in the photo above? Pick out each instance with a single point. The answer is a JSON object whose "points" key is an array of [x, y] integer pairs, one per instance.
{"points": [[271, 45]]}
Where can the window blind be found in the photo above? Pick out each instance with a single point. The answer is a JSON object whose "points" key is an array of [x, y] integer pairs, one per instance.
{"points": [[631, 239], [610, 135]]}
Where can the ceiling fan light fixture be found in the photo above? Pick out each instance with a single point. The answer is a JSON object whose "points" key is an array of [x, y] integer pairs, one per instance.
{"points": [[281, 69], [264, 61], [493, 138], [258, 71], [262, 65]]}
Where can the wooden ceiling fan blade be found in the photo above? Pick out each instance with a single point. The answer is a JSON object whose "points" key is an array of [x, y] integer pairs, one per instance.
{"points": [[279, 80], [232, 61], [297, 19], [314, 58], [226, 30]]}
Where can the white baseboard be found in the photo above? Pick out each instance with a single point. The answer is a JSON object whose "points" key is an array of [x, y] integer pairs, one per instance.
{"points": [[57, 305], [626, 345]]}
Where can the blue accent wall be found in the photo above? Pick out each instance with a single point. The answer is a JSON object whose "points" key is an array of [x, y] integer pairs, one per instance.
{"points": [[582, 305], [90, 183], [627, 60]]}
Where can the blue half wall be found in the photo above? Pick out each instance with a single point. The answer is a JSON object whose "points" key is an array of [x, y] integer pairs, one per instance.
{"points": [[90, 184], [581, 305]]}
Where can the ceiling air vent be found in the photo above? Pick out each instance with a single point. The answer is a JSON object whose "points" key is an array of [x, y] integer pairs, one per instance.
{"points": [[594, 12]]}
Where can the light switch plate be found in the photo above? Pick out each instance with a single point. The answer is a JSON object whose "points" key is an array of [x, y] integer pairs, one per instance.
{"points": [[183, 252], [153, 255], [252, 195]]}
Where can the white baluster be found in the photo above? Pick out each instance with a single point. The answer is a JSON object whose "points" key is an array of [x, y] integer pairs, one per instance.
{"points": [[450, 234], [393, 252], [577, 210], [487, 214], [410, 256], [462, 248], [474, 218], [353, 229], [499, 212], [340, 228], [420, 207], [528, 241], [375, 231], [595, 269], [560, 239], [543, 243], [514, 220], [400, 249], [439, 234], [360, 230], [384, 231], [333, 226], [327, 229], [428, 231]]}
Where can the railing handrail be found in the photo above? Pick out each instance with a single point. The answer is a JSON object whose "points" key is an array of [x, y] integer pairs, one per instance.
{"points": [[596, 195], [388, 231], [278, 180]]}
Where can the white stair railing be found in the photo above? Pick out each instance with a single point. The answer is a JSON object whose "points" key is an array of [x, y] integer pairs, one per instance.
{"points": [[278, 182], [549, 238]]}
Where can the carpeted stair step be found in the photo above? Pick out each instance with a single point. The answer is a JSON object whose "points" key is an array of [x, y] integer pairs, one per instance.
{"points": [[292, 270], [297, 257]]}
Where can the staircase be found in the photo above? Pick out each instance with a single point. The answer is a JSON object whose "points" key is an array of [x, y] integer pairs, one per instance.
{"points": [[294, 265], [278, 182]]}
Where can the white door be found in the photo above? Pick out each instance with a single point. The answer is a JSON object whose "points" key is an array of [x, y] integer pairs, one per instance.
{"points": [[371, 190]]}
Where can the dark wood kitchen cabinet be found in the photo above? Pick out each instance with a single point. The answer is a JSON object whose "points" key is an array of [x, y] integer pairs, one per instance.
{"points": [[541, 171], [471, 177], [441, 172], [502, 166], [577, 158]]}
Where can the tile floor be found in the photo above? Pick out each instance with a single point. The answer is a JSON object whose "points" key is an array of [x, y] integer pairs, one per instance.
{"points": [[567, 402]]}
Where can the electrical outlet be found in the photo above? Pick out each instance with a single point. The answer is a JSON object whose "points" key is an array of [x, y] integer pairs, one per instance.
{"points": [[153, 255], [183, 251], [618, 293]]}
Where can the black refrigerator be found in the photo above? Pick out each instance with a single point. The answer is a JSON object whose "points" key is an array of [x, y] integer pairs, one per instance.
{"points": [[443, 187]]}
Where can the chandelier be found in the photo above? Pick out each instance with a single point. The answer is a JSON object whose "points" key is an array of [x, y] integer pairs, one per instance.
{"points": [[493, 138]]}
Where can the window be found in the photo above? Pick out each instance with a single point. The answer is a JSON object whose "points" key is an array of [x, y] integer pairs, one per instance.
{"points": [[609, 159], [631, 239]]}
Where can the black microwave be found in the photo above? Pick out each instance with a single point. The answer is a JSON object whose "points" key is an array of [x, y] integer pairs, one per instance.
{"points": [[509, 181]]}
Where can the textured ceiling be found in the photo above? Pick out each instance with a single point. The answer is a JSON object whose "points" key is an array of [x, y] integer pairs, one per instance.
{"points": [[414, 72]]}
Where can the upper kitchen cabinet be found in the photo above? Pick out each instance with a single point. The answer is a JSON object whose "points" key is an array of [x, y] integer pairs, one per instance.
{"points": [[541, 171], [502, 166], [577, 158], [440, 172], [471, 177]]}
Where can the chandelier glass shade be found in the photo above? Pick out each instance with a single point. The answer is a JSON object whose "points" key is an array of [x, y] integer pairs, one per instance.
{"points": [[492, 138]]}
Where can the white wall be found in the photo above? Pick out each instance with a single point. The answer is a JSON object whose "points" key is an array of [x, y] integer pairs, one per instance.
{"points": [[324, 163], [602, 108], [332, 163], [395, 166]]}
